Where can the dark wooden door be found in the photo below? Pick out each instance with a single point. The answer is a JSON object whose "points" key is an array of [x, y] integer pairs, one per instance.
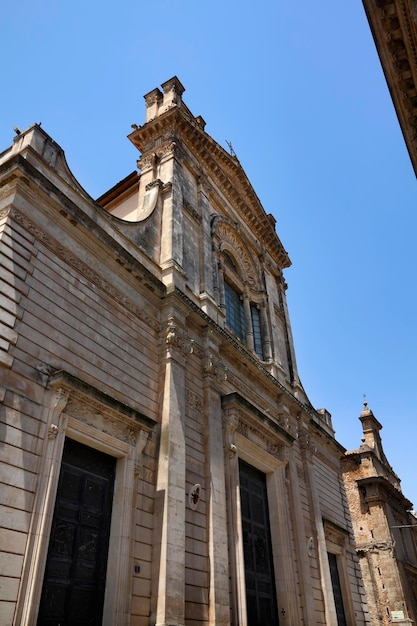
{"points": [[259, 570], [73, 587]]}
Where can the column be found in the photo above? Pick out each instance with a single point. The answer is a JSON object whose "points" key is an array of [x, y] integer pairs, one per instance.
{"points": [[248, 321], [266, 337]]}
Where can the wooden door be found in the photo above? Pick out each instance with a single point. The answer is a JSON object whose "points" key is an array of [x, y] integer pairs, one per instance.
{"points": [[75, 575], [259, 571]]}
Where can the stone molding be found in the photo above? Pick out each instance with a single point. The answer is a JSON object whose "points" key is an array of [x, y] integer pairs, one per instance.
{"points": [[83, 413], [226, 237], [225, 170], [393, 25], [86, 271]]}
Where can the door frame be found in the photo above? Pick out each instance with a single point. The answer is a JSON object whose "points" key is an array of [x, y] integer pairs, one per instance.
{"points": [[80, 412], [249, 436]]}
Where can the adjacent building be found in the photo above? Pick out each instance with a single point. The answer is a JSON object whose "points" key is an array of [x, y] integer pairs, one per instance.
{"points": [[385, 529], [394, 27], [161, 462]]}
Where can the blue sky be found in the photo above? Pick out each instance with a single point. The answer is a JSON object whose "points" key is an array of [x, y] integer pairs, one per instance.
{"points": [[298, 90]]}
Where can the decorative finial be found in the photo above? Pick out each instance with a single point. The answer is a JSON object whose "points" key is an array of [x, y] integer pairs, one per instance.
{"points": [[365, 404]]}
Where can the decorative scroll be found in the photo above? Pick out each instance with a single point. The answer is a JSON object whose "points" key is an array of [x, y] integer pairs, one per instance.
{"points": [[150, 200]]}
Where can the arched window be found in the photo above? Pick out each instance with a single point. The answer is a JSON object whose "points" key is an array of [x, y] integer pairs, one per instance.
{"points": [[243, 317]]}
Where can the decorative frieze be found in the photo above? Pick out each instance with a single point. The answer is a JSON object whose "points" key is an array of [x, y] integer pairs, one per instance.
{"points": [[335, 535], [193, 402], [250, 424], [92, 414]]}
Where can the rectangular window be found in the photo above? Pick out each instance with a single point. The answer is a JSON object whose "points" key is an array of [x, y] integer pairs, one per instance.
{"points": [[234, 312], [257, 335]]}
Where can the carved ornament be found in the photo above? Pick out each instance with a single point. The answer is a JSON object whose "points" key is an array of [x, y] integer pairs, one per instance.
{"points": [[193, 402], [176, 338], [228, 234], [212, 366]]}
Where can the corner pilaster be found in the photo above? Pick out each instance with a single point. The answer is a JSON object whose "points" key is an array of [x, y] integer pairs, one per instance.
{"points": [[171, 485]]}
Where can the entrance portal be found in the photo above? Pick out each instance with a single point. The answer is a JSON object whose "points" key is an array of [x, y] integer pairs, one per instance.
{"points": [[75, 574], [259, 570]]}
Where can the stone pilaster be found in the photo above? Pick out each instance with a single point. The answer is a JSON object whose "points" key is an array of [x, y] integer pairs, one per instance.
{"points": [[237, 560], [172, 230], [282, 547], [326, 582], [219, 598], [304, 548], [170, 504]]}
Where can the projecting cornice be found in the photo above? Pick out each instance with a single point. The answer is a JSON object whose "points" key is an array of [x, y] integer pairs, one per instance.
{"points": [[177, 125], [394, 28]]}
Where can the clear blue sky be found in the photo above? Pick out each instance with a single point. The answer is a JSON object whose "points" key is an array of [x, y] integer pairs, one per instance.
{"points": [[298, 89]]}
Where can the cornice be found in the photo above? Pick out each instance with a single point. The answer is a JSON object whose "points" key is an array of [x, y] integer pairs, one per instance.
{"points": [[90, 395], [18, 169], [394, 27], [265, 424], [224, 169], [246, 354], [379, 488]]}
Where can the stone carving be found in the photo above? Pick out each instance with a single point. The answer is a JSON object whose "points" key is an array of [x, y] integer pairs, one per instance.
{"points": [[334, 535], [227, 233], [53, 431], [214, 367], [193, 401], [231, 422], [254, 431], [104, 419], [177, 338], [140, 446], [4, 213]]}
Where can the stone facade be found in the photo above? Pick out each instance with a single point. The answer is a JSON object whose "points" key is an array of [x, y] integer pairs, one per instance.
{"points": [[394, 27], [384, 527], [151, 327]]}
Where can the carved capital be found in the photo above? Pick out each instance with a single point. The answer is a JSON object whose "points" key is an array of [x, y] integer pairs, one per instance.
{"points": [[214, 367], [177, 339]]}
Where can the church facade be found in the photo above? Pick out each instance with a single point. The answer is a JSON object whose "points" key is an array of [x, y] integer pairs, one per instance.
{"points": [[161, 462]]}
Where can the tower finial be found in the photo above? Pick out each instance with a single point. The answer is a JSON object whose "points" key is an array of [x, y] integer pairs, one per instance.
{"points": [[365, 404]]}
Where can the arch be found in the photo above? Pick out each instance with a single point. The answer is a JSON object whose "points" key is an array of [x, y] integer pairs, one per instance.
{"points": [[230, 242]]}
